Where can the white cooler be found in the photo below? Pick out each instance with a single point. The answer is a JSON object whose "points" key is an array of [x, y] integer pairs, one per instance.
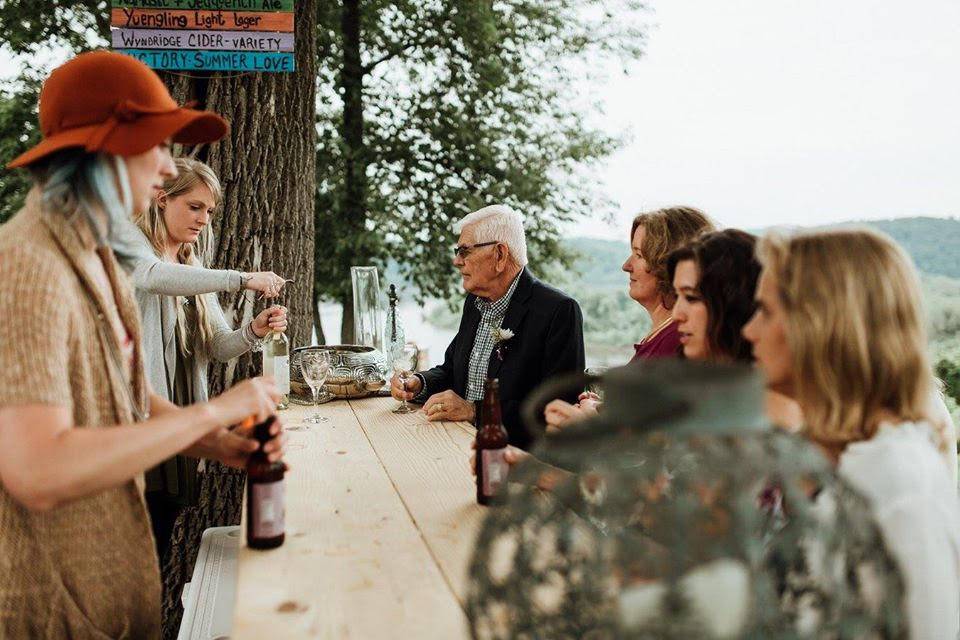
{"points": [[210, 596]]}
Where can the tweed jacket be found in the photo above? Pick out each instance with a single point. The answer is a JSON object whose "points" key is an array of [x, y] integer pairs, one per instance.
{"points": [[86, 569]]}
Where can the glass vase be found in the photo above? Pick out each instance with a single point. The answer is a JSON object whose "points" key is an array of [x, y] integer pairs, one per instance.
{"points": [[367, 314]]}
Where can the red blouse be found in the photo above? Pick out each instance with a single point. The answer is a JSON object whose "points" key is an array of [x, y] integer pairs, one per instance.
{"points": [[665, 344]]}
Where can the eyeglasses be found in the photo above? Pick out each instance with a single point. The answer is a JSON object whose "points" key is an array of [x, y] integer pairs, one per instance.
{"points": [[463, 250]]}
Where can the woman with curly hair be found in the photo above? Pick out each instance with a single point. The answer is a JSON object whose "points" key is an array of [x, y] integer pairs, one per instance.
{"points": [[653, 236]]}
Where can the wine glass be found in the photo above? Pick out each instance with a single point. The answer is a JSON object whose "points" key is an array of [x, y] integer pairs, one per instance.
{"points": [[316, 367], [596, 383], [404, 362]]}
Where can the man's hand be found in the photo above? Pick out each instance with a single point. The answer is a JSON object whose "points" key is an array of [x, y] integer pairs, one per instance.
{"points": [[548, 479], [560, 414], [447, 406], [398, 391]]}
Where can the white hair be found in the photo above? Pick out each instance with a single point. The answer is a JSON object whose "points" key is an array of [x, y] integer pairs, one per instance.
{"points": [[498, 223]]}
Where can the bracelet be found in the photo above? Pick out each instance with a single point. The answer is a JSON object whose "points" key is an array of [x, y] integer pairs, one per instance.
{"points": [[251, 338]]}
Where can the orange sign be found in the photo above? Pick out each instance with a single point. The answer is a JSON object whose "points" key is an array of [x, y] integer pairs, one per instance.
{"points": [[211, 20]]}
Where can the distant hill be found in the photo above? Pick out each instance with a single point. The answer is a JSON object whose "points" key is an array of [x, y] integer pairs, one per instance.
{"points": [[933, 243], [599, 261]]}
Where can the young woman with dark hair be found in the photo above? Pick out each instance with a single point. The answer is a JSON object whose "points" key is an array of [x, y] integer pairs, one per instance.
{"points": [[714, 279]]}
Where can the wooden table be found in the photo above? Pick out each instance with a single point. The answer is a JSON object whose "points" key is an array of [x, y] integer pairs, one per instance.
{"points": [[381, 516]]}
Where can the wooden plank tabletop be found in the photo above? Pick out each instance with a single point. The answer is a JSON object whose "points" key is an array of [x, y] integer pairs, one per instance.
{"points": [[381, 516]]}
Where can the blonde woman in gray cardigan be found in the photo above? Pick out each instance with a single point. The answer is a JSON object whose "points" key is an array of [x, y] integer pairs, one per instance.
{"points": [[150, 273], [184, 332], [182, 319]]}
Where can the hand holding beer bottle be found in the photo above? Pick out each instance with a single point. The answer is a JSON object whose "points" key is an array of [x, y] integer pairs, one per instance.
{"points": [[265, 494]]}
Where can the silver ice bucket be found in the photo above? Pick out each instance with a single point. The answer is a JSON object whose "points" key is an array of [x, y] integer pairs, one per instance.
{"points": [[356, 371]]}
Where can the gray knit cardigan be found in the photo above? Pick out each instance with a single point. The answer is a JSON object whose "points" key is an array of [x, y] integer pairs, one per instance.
{"points": [[157, 285]]}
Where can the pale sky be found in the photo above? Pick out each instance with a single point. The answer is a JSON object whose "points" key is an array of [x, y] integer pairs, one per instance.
{"points": [[768, 112]]}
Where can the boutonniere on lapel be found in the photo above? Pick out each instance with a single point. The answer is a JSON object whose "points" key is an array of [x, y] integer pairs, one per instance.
{"points": [[500, 336]]}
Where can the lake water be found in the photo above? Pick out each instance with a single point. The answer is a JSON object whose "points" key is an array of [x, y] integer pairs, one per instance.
{"points": [[433, 341]]}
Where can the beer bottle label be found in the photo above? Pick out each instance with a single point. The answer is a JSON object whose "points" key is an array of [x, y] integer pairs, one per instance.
{"points": [[266, 512], [495, 470], [281, 373]]}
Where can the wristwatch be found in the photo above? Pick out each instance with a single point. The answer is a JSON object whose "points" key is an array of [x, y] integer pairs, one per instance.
{"points": [[244, 279]]}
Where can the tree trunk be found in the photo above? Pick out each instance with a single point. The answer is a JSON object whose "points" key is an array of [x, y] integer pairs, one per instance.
{"points": [[267, 164], [354, 195]]}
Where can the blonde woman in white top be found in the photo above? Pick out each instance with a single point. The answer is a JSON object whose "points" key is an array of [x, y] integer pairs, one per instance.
{"points": [[839, 329]]}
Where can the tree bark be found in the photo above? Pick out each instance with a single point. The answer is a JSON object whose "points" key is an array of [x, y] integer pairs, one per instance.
{"points": [[354, 204], [347, 334], [267, 164]]}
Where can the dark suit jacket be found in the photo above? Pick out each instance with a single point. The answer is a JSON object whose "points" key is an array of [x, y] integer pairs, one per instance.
{"points": [[547, 341]]}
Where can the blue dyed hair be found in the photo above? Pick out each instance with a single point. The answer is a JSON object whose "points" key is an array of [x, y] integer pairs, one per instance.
{"points": [[74, 180]]}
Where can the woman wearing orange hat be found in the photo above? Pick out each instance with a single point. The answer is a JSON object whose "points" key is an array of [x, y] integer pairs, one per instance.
{"points": [[78, 422]]}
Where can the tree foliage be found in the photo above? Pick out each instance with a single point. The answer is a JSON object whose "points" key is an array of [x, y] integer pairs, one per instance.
{"points": [[39, 25], [18, 132], [31, 29], [463, 104]]}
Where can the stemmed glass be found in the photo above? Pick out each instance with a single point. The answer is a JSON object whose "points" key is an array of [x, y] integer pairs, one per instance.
{"points": [[404, 362], [596, 384], [315, 366]]}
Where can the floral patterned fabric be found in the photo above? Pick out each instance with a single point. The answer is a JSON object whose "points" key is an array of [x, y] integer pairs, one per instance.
{"points": [[648, 536]]}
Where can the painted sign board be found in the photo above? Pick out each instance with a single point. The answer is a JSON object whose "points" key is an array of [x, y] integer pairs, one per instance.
{"points": [[200, 39], [219, 20], [206, 35], [208, 5], [213, 60]]}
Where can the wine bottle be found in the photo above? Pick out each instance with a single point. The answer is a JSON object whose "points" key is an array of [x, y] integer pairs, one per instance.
{"points": [[276, 363], [265, 494]]}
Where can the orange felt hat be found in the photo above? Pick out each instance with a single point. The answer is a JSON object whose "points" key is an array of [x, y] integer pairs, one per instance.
{"points": [[111, 102]]}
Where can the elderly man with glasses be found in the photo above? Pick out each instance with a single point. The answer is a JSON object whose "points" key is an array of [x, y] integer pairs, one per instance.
{"points": [[513, 327]]}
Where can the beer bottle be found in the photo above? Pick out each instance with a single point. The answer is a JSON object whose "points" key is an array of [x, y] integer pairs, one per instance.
{"points": [[491, 444], [265, 495]]}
